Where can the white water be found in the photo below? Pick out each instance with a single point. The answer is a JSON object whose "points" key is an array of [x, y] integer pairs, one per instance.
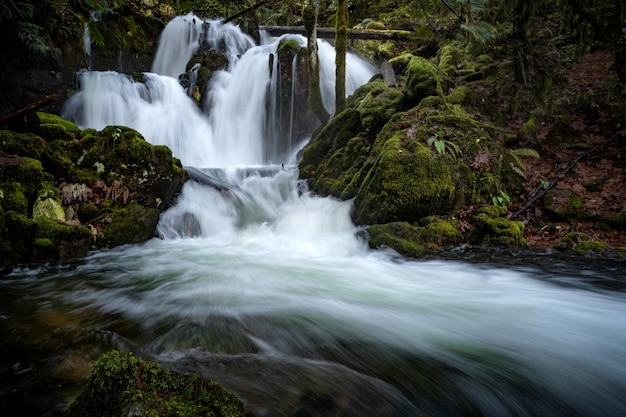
{"points": [[233, 128], [253, 266]]}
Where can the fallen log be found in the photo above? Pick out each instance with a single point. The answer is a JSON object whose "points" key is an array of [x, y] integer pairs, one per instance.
{"points": [[28, 109], [329, 33]]}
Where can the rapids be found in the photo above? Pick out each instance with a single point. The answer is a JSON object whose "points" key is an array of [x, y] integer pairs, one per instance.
{"points": [[273, 292]]}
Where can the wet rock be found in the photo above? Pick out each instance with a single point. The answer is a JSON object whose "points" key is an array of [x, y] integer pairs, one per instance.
{"points": [[122, 382]]}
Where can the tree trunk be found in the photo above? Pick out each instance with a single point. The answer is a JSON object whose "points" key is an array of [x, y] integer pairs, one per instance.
{"points": [[522, 13], [341, 45], [316, 104]]}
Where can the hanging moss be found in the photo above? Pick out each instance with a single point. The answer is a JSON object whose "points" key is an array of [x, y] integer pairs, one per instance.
{"points": [[122, 384]]}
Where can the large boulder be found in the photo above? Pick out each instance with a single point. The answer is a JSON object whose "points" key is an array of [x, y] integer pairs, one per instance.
{"points": [[64, 191]]}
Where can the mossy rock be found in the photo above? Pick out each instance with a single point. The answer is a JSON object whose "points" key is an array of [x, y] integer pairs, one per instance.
{"points": [[121, 154], [422, 79], [18, 233], [615, 220], [21, 144], [14, 197], [489, 229], [20, 180], [581, 244], [337, 132], [132, 224], [52, 127], [55, 241], [377, 103], [50, 208], [400, 236], [562, 204], [401, 62], [438, 233], [122, 384], [404, 184]]}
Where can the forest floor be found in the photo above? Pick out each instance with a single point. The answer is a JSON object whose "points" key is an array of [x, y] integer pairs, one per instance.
{"points": [[587, 157]]}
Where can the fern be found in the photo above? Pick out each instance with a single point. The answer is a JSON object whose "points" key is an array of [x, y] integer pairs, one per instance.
{"points": [[10, 10], [518, 167], [95, 35], [482, 32], [526, 152], [31, 35]]}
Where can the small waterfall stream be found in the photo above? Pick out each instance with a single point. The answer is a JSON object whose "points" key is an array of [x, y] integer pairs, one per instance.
{"points": [[272, 291]]}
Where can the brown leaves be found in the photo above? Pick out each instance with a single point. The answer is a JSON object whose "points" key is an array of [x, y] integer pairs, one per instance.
{"points": [[118, 191], [481, 161]]}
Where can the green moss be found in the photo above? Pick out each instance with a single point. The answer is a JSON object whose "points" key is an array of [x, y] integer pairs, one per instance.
{"points": [[132, 224], [19, 233], [399, 236], [589, 247], [14, 198], [120, 383], [377, 103], [492, 211], [288, 46], [53, 127], [422, 80], [401, 62], [68, 242], [440, 232], [22, 144], [563, 204], [530, 127], [404, 184], [337, 132], [497, 231]]}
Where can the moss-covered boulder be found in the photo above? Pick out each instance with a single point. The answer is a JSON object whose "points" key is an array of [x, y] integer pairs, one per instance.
{"points": [[402, 237], [128, 224], [562, 204], [121, 384], [200, 69], [412, 239], [423, 79], [581, 244], [491, 228], [408, 152], [68, 190]]}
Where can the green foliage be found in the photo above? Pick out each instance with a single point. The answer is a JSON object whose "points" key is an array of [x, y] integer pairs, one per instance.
{"points": [[482, 32], [501, 200], [33, 36], [442, 145], [10, 9], [517, 165]]}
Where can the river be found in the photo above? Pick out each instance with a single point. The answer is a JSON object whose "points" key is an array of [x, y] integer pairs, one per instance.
{"points": [[273, 292]]}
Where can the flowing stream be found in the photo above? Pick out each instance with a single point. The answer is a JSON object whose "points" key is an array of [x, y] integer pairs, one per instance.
{"points": [[272, 291]]}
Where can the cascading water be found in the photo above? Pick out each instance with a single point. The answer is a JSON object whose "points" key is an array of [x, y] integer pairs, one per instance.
{"points": [[272, 291]]}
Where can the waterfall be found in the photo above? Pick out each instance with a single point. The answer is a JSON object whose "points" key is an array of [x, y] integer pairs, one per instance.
{"points": [[238, 123], [272, 291]]}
